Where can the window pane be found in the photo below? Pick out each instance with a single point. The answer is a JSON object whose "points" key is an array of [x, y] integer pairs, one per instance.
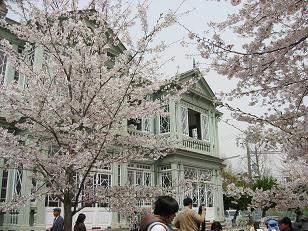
{"points": [[202, 195], [195, 195], [164, 124], [165, 121], [166, 179], [17, 182], [147, 179], [139, 178], [134, 124], [103, 180], [205, 127], [209, 196], [130, 177], [52, 201], [3, 61], [184, 120], [146, 124], [4, 185], [53, 150]]}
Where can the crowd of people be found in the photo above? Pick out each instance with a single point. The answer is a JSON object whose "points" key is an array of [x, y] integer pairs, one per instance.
{"points": [[166, 216]]}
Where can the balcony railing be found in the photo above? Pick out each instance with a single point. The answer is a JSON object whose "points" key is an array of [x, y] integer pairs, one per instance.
{"points": [[135, 132], [196, 145], [187, 143]]}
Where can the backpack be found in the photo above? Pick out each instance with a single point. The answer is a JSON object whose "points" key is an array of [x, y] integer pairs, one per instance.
{"points": [[150, 221]]}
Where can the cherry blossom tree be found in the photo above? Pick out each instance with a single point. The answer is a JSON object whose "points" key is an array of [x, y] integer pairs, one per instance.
{"points": [[293, 191], [270, 67], [81, 85], [268, 192]]}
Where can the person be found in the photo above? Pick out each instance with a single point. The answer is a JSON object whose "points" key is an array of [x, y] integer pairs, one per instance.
{"points": [[216, 226], [272, 225], [188, 219], [234, 218], [250, 216], [79, 225], [134, 225], [202, 225], [285, 224], [299, 214], [58, 221], [255, 227], [165, 208]]}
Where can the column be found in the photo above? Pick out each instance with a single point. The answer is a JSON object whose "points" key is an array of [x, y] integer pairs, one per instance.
{"points": [[9, 193], [173, 122], [117, 222], [216, 136], [24, 212], [219, 196], [212, 133], [40, 216], [175, 174], [180, 184], [179, 120]]}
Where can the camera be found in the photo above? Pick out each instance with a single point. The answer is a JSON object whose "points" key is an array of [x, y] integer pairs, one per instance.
{"points": [[201, 208]]}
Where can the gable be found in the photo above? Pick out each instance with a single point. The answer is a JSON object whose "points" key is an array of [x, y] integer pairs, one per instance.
{"points": [[201, 87]]}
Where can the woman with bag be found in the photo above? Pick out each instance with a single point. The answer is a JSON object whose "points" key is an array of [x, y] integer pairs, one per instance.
{"points": [[165, 208]]}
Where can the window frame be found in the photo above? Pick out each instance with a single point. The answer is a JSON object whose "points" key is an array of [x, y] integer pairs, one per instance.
{"points": [[168, 117]]}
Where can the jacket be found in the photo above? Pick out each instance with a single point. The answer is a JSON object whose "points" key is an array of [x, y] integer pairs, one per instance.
{"points": [[188, 219], [80, 227], [58, 224]]}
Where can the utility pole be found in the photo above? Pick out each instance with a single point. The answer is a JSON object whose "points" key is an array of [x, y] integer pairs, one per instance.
{"points": [[253, 162], [248, 160], [258, 173]]}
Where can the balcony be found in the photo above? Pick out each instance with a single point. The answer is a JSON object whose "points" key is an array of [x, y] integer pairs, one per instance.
{"points": [[187, 143], [196, 145], [134, 132]]}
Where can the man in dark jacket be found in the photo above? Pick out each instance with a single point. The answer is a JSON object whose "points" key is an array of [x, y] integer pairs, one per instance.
{"points": [[58, 222]]}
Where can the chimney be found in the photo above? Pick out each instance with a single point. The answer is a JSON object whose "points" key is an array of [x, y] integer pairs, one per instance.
{"points": [[3, 8]]}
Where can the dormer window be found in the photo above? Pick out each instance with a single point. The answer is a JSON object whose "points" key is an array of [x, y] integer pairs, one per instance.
{"points": [[194, 124]]}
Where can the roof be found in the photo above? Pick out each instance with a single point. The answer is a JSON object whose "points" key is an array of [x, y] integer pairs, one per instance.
{"points": [[201, 86]]}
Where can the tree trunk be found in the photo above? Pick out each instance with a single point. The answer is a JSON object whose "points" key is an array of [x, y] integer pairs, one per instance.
{"points": [[67, 215]]}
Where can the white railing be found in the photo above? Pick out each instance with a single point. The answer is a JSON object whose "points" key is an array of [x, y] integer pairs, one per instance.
{"points": [[196, 145], [188, 143], [135, 132]]}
